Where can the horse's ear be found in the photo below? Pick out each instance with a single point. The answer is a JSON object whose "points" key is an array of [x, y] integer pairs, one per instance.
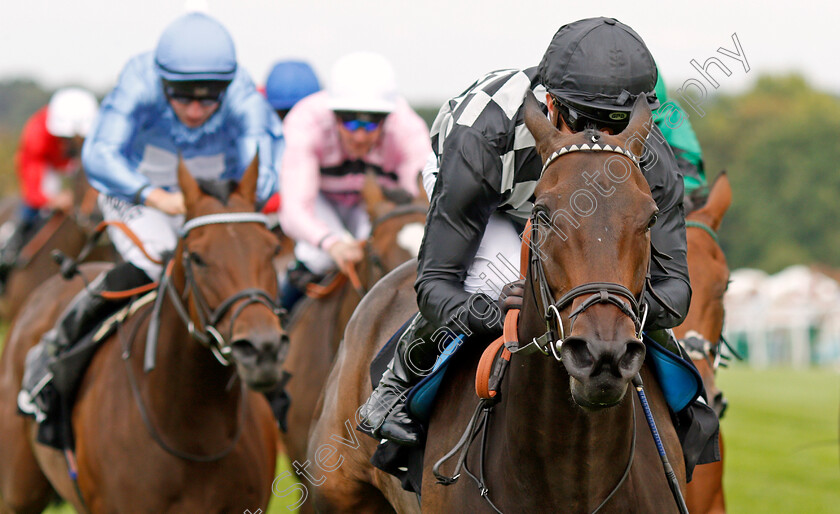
{"points": [[373, 196], [720, 198], [247, 187], [189, 186], [641, 121], [545, 134], [422, 198]]}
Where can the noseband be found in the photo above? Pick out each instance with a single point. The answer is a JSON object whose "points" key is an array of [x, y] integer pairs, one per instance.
{"points": [[598, 292], [206, 333]]}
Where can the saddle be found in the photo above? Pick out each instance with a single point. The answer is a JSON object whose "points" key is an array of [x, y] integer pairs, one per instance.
{"points": [[50, 383]]}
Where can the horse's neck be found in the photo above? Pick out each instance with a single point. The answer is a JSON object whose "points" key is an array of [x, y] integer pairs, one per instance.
{"points": [[349, 298], [537, 401], [549, 444], [188, 372]]}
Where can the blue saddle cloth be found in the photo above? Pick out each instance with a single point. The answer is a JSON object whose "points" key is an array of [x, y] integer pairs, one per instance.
{"points": [[421, 398], [680, 382]]}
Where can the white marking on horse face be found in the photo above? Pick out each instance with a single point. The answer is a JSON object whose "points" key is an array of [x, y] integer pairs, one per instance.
{"points": [[410, 237]]}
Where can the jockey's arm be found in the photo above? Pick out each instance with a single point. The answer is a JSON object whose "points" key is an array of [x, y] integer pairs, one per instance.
{"points": [[300, 174], [464, 198], [119, 118], [257, 128], [668, 236], [31, 164]]}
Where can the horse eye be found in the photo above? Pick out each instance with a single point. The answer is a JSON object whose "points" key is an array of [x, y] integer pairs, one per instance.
{"points": [[197, 260], [652, 221], [278, 249]]}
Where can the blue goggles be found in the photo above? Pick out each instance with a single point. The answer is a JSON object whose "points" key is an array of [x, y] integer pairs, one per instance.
{"points": [[354, 121]]}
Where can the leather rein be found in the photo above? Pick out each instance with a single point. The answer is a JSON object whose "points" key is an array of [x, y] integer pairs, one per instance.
{"points": [[206, 334], [612, 293]]}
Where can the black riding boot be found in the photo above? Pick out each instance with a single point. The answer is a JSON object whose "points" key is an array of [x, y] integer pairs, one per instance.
{"points": [[385, 411], [88, 306]]}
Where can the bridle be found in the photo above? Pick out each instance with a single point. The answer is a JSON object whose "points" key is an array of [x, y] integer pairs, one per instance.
{"points": [[205, 331], [695, 344], [611, 293]]}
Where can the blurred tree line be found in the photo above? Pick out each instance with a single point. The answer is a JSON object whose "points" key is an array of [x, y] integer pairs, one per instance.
{"points": [[779, 142], [19, 99]]}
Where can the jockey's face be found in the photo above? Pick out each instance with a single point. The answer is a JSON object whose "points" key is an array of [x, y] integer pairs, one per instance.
{"points": [[194, 113], [73, 145], [359, 141]]}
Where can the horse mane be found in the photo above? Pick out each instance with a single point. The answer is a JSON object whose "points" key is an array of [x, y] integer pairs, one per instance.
{"points": [[397, 195], [218, 189]]}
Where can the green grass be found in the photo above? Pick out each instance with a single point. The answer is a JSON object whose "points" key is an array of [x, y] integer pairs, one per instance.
{"points": [[781, 440], [781, 436]]}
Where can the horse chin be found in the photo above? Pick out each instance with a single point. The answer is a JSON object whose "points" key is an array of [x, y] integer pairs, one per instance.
{"points": [[262, 378], [597, 394]]}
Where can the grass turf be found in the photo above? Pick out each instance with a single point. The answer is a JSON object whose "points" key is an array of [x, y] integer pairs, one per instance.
{"points": [[781, 440]]}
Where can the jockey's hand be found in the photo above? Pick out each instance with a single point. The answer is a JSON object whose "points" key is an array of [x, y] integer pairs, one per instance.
{"points": [[346, 254], [166, 202], [511, 296], [63, 201]]}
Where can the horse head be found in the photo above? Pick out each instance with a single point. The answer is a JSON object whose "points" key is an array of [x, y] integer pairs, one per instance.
{"points": [[591, 249], [224, 260]]}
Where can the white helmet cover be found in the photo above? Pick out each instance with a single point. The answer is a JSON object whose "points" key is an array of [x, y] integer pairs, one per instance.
{"points": [[71, 112], [363, 82]]}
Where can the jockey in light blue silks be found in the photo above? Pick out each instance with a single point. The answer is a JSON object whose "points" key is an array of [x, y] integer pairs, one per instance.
{"points": [[188, 98]]}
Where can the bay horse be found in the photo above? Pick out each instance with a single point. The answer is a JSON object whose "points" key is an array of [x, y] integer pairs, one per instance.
{"points": [[66, 232], [566, 436], [191, 435], [709, 275], [317, 325]]}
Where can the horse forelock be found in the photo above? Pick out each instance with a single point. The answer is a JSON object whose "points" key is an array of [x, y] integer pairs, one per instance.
{"points": [[218, 189]]}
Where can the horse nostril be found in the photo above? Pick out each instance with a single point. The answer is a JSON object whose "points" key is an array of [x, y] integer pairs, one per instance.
{"points": [[244, 348], [630, 362], [577, 357]]}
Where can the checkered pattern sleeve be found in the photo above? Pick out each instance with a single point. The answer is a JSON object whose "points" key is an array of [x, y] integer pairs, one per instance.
{"points": [[462, 202]]}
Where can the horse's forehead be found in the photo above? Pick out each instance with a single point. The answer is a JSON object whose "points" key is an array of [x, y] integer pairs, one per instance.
{"points": [[594, 176]]}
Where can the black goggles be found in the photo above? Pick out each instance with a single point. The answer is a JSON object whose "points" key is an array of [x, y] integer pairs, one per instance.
{"points": [[206, 92], [579, 119]]}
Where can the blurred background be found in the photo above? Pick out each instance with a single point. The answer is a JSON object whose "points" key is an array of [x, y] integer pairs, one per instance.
{"points": [[771, 119]]}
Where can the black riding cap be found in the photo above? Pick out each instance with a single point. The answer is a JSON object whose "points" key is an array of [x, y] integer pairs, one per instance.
{"points": [[599, 63]]}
